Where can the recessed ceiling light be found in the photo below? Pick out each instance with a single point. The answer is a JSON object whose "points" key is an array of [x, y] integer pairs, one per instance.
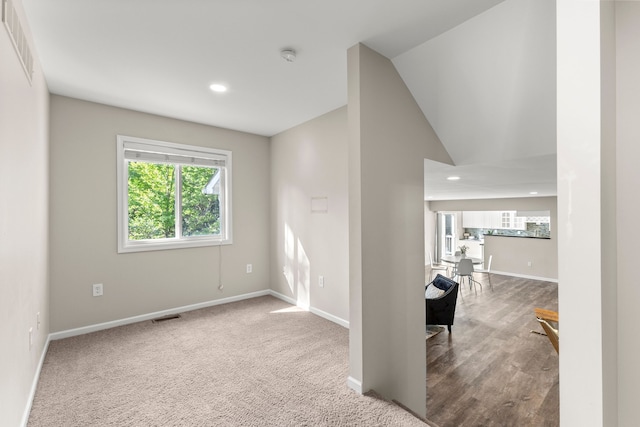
{"points": [[453, 178], [216, 87], [533, 192]]}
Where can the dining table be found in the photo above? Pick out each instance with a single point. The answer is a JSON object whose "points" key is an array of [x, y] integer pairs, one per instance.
{"points": [[455, 260]]}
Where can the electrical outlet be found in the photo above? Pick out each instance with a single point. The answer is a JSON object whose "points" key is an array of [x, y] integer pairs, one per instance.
{"points": [[321, 281], [38, 321], [30, 338], [249, 268], [97, 290], [529, 264]]}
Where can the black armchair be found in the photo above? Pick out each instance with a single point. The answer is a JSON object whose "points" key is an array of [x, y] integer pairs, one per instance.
{"points": [[442, 308]]}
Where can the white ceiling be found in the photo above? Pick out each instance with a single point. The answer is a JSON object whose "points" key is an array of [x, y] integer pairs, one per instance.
{"points": [[506, 178], [481, 70], [490, 95]]}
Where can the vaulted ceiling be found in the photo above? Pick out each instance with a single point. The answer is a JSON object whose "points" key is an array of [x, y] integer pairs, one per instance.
{"points": [[482, 71]]}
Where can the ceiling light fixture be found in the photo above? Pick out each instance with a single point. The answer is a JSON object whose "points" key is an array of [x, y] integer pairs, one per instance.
{"points": [[288, 55], [216, 87], [453, 178], [533, 192]]}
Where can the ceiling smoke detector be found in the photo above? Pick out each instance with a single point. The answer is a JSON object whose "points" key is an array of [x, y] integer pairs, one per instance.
{"points": [[288, 55]]}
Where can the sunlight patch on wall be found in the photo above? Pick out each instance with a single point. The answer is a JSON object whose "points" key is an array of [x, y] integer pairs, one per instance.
{"points": [[289, 252], [304, 277]]}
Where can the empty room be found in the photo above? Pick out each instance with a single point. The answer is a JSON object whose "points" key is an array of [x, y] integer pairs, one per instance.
{"points": [[221, 213]]}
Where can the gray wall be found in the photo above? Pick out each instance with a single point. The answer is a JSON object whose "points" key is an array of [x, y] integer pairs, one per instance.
{"points": [[310, 161], [511, 254], [83, 220], [24, 229], [626, 313], [389, 138]]}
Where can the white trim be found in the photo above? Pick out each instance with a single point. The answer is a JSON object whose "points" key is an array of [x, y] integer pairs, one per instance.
{"points": [[34, 384], [283, 297], [125, 143], [523, 276], [354, 385], [149, 316], [316, 311], [329, 316]]}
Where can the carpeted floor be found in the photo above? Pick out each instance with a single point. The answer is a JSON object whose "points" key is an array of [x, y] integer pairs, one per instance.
{"points": [[258, 362]]}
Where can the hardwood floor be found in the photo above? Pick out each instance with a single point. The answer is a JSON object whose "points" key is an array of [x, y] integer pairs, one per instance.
{"points": [[491, 370]]}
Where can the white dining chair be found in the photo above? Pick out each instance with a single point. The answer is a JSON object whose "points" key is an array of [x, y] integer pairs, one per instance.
{"points": [[436, 267], [487, 270]]}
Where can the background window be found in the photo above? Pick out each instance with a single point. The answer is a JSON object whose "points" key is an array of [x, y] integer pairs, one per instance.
{"points": [[172, 195]]}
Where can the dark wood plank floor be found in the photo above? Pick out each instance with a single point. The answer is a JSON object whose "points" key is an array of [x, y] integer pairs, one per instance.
{"points": [[491, 370]]}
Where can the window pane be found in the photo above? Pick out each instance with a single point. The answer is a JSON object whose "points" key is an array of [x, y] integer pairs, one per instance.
{"points": [[152, 198], [200, 201]]}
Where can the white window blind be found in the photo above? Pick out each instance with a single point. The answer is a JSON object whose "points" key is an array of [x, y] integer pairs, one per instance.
{"points": [[140, 151]]}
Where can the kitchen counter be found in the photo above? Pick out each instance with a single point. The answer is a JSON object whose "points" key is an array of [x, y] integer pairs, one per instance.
{"points": [[471, 242], [517, 236]]}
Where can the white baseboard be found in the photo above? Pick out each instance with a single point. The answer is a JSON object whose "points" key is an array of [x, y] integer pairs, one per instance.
{"points": [[316, 311], [34, 383], [331, 317], [354, 384], [283, 297], [149, 316], [525, 276]]}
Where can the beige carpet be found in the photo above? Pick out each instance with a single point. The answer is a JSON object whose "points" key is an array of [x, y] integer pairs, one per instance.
{"points": [[259, 362]]}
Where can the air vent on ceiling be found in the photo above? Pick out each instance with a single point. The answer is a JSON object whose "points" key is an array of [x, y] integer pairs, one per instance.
{"points": [[17, 36]]}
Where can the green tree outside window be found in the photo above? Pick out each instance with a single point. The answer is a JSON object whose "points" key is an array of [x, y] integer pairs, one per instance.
{"points": [[152, 201]]}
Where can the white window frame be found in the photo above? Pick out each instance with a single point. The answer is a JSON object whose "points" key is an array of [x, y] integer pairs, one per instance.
{"points": [[128, 145]]}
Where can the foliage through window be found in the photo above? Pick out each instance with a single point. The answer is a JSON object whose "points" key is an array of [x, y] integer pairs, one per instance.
{"points": [[171, 195]]}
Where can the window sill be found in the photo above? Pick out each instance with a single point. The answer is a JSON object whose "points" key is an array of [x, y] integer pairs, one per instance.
{"points": [[147, 246]]}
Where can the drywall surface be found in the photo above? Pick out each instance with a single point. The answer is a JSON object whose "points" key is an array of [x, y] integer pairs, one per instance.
{"points": [[513, 254], [24, 168], [309, 214], [488, 86], [389, 138], [580, 212], [628, 206], [83, 220], [608, 207]]}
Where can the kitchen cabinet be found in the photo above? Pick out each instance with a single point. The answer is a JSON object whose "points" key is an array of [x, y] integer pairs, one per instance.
{"points": [[519, 223], [512, 222], [480, 219], [472, 219], [493, 220]]}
